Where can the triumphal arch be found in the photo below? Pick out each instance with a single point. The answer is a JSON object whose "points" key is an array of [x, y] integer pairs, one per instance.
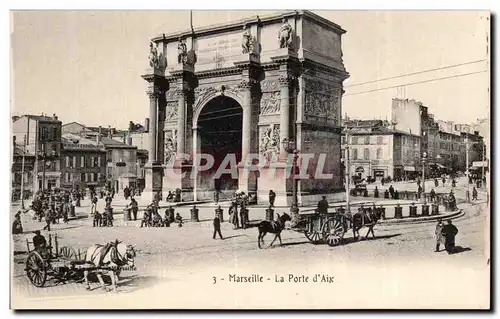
{"points": [[232, 105]]}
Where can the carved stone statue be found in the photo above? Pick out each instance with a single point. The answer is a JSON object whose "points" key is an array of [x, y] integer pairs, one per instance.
{"points": [[170, 147], [285, 35], [269, 143], [181, 52], [154, 61], [247, 41]]}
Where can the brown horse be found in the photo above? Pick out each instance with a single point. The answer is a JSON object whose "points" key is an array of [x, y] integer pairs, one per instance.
{"points": [[365, 218], [273, 227]]}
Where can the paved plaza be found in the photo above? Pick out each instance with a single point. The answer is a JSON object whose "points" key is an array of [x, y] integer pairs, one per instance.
{"points": [[167, 257]]}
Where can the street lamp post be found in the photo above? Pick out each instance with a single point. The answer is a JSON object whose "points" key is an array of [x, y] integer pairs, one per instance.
{"points": [[347, 174], [22, 172], [290, 147], [467, 194], [424, 160]]}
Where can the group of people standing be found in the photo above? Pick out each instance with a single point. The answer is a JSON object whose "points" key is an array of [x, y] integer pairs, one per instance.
{"points": [[445, 234], [104, 219]]}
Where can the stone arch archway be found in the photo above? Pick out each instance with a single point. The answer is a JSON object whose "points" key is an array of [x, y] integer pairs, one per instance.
{"points": [[205, 95], [217, 132]]}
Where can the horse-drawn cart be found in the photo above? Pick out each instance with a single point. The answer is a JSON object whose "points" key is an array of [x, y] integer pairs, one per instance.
{"points": [[331, 228], [53, 262], [325, 228]]}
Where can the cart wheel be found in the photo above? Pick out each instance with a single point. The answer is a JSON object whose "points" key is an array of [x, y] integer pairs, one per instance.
{"points": [[314, 236], [36, 270], [67, 252], [333, 231]]}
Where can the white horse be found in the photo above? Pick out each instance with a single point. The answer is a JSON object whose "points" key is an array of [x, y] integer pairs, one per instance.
{"points": [[109, 258]]}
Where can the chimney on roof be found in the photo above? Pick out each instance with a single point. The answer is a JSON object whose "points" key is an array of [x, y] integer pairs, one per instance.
{"points": [[98, 138], [129, 135], [124, 138], [55, 116]]}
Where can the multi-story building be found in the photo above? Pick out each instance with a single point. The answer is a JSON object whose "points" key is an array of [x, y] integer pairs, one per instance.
{"points": [[83, 162], [379, 151], [43, 139], [121, 158], [22, 174]]}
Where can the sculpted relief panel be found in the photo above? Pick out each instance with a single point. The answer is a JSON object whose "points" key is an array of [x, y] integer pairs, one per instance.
{"points": [[170, 146], [171, 111], [271, 103], [270, 141], [322, 102]]}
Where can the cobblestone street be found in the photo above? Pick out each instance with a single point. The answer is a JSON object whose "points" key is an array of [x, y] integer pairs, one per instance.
{"points": [[170, 258]]}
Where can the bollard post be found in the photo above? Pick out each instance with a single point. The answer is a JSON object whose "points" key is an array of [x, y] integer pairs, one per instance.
{"points": [[413, 210], [386, 194], [435, 209], [382, 211], [270, 213], [194, 214], [126, 214], [398, 212], [171, 214], [425, 210]]}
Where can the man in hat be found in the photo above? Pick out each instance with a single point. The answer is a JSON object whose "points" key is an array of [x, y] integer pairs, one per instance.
{"points": [[217, 227], [39, 242], [17, 227], [474, 193], [135, 207], [449, 232], [322, 205], [439, 235]]}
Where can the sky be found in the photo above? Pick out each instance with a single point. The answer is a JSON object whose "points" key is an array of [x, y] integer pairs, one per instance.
{"points": [[86, 66]]}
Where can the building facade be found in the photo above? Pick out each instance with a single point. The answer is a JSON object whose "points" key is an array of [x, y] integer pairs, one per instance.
{"points": [[83, 163], [270, 80], [377, 151], [43, 139], [120, 158], [22, 174]]}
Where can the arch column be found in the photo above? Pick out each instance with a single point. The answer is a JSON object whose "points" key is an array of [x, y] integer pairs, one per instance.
{"points": [[181, 122], [284, 114], [153, 95], [246, 129]]}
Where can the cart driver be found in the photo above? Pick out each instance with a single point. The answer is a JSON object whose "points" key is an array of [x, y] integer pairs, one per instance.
{"points": [[40, 244], [39, 241]]}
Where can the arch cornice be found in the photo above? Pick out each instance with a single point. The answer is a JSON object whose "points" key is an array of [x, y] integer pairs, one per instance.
{"points": [[206, 94]]}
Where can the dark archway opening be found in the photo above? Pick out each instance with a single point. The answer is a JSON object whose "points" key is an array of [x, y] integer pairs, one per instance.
{"points": [[220, 129]]}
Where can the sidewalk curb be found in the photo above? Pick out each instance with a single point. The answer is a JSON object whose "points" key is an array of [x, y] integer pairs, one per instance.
{"points": [[420, 220]]}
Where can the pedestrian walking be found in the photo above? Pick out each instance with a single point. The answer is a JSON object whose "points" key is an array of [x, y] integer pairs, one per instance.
{"points": [[449, 232], [93, 208], [436, 183], [272, 197], [216, 197], [135, 207], [439, 235], [48, 219], [433, 195], [17, 227], [474, 194], [217, 227], [444, 181]]}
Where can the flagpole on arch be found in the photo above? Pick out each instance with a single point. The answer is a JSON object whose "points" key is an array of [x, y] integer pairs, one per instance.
{"points": [[191, 20]]}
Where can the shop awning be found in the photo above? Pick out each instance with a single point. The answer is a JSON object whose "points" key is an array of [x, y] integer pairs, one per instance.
{"points": [[409, 168], [480, 164]]}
